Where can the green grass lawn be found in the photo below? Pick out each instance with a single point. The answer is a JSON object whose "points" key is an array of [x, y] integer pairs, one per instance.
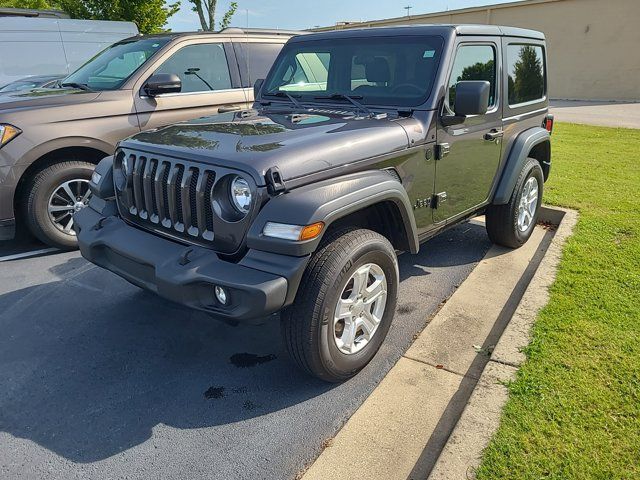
{"points": [[574, 409]]}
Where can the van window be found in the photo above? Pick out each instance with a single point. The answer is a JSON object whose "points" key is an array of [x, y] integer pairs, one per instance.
{"points": [[201, 68], [473, 62], [525, 70]]}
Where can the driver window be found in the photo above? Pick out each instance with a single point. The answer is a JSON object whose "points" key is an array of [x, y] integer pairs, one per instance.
{"points": [[201, 68], [473, 62]]}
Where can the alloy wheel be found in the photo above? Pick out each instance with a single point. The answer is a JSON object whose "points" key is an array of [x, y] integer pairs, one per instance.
{"points": [[67, 199], [360, 308], [528, 204]]}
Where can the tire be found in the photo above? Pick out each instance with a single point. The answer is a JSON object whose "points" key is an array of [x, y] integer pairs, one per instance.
{"points": [[318, 343], [505, 225], [40, 192]]}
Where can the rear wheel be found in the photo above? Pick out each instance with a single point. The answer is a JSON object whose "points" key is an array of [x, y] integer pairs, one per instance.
{"points": [[51, 199], [512, 224], [344, 306]]}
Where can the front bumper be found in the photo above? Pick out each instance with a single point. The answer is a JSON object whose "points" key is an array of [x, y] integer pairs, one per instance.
{"points": [[164, 267]]}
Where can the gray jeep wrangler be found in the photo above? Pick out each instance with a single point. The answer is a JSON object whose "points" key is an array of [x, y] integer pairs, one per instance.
{"points": [[361, 144]]}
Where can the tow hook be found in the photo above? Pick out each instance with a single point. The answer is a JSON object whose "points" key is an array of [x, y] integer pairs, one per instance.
{"points": [[100, 224], [184, 258]]}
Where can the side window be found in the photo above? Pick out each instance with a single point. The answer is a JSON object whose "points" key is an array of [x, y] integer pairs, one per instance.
{"points": [[525, 70], [473, 62], [201, 68], [259, 58]]}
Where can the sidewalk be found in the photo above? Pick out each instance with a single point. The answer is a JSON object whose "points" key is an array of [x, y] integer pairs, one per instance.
{"points": [[606, 114], [404, 425]]}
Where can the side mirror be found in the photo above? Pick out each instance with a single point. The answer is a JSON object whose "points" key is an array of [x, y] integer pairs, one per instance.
{"points": [[257, 87], [160, 83], [472, 97]]}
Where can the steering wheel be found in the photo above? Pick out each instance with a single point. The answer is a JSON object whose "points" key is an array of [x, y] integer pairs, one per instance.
{"points": [[412, 86]]}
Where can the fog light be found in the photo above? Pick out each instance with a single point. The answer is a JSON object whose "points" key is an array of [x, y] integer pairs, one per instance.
{"points": [[221, 295]]}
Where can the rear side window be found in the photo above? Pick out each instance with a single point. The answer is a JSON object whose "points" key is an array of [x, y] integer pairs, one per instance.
{"points": [[201, 68], [525, 69], [473, 62], [259, 58]]}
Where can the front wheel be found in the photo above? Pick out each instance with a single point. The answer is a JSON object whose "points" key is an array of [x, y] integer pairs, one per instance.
{"points": [[52, 197], [344, 306], [512, 224]]}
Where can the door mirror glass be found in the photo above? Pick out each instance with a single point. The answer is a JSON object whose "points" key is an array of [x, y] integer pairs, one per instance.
{"points": [[162, 83], [472, 97], [257, 87]]}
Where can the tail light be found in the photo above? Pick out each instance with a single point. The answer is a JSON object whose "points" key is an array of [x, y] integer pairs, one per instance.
{"points": [[547, 123]]}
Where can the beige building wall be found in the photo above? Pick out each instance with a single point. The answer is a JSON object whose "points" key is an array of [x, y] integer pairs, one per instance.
{"points": [[593, 45]]}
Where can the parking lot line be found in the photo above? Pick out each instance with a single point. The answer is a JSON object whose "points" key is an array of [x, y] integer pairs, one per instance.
{"points": [[32, 253]]}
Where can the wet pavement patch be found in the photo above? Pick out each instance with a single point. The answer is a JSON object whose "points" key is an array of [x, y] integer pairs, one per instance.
{"points": [[407, 308], [214, 393], [246, 360]]}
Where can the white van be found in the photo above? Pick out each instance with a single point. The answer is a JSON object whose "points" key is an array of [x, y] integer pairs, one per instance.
{"points": [[53, 46]]}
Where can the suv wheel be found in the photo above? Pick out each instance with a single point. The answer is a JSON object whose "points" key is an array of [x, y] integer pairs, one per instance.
{"points": [[512, 224], [51, 199], [344, 306]]}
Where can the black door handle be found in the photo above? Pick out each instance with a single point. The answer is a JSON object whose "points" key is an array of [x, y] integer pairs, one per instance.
{"points": [[493, 134], [228, 109]]}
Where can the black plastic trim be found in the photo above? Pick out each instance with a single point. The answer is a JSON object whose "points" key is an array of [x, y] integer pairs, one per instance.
{"points": [[328, 201], [516, 159], [7, 229], [259, 285]]}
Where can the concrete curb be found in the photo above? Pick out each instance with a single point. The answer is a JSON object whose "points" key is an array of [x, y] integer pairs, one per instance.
{"points": [[481, 417], [447, 391]]}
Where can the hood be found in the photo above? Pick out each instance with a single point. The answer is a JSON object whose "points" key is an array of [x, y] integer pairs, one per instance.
{"points": [[44, 97], [298, 144]]}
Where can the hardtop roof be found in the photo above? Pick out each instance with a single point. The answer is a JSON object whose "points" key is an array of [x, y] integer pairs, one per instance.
{"points": [[427, 29]]}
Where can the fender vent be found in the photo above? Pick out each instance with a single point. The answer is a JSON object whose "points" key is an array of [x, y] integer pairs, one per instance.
{"points": [[394, 174]]}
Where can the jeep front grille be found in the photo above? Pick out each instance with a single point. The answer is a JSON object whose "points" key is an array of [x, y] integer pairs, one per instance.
{"points": [[168, 194]]}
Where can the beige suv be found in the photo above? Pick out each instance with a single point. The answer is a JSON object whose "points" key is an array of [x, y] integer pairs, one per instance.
{"points": [[51, 139]]}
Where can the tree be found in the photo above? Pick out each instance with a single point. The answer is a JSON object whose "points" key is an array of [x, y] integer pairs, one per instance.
{"points": [[30, 4], [528, 83], [149, 15], [206, 10]]}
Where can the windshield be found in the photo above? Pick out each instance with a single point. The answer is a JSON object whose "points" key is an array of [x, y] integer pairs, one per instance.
{"points": [[112, 67], [394, 71], [19, 85]]}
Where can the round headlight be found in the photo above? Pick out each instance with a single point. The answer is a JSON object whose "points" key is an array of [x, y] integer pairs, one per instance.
{"points": [[240, 194]]}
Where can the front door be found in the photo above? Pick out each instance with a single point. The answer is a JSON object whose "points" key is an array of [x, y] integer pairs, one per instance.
{"points": [[207, 87], [469, 152]]}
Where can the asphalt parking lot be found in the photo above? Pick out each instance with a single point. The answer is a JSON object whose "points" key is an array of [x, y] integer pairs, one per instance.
{"points": [[99, 379]]}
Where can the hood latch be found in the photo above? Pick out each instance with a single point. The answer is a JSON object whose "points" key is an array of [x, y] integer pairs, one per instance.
{"points": [[275, 184]]}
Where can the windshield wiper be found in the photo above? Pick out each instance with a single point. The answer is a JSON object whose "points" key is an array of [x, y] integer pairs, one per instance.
{"points": [[352, 99], [81, 86], [282, 94]]}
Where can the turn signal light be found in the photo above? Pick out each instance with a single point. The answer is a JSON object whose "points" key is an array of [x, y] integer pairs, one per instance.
{"points": [[292, 232], [311, 231]]}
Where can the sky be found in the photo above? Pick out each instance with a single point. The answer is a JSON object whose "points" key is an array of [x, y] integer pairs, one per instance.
{"points": [[300, 14]]}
